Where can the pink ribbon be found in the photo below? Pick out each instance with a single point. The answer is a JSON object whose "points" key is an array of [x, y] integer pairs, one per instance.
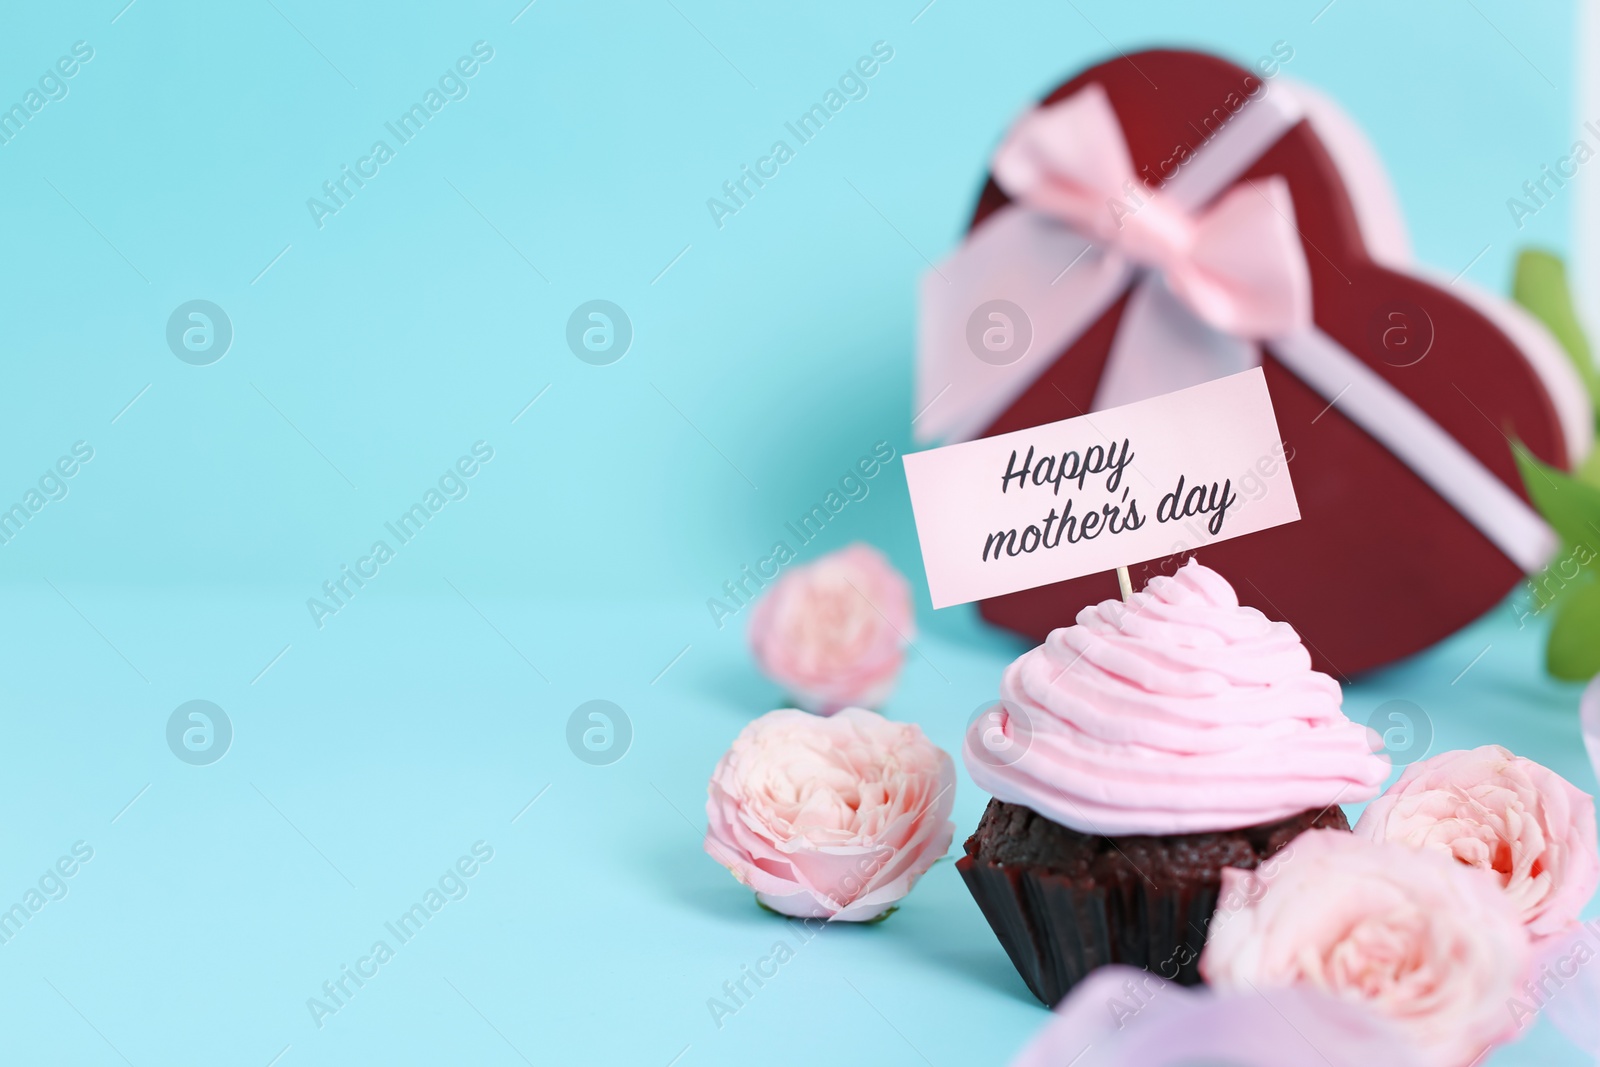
{"points": [[1237, 265], [1214, 273]]}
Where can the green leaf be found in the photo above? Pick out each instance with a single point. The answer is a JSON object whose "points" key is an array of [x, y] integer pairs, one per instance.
{"points": [[1567, 504], [1574, 649], [1588, 471], [1540, 286]]}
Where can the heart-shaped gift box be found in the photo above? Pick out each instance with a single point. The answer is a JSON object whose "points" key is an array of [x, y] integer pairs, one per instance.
{"points": [[1413, 517]]}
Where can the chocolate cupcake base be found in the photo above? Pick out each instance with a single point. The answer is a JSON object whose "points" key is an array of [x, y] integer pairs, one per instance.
{"points": [[1063, 903]]}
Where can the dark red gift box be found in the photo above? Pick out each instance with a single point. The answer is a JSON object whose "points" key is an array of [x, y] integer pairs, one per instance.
{"points": [[1380, 564]]}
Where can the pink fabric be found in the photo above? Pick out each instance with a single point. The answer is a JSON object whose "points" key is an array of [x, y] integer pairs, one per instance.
{"points": [[1237, 265], [1565, 988], [1125, 1017]]}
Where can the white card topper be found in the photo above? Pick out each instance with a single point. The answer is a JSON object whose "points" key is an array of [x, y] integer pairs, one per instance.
{"points": [[1108, 489]]}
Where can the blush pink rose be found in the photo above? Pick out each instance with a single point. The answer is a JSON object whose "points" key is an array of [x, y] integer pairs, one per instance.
{"points": [[1430, 945], [830, 818], [834, 631], [1523, 823]]}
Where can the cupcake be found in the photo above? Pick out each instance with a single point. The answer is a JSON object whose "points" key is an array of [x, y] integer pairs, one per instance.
{"points": [[1135, 755]]}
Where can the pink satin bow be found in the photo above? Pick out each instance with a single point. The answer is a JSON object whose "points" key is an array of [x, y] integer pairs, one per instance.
{"points": [[1237, 264]]}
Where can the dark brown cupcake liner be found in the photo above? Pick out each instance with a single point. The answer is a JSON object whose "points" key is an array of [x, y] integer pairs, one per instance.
{"points": [[1056, 933], [1057, 927]]}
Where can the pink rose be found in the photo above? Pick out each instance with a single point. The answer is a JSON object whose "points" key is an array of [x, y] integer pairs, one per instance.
{"points": [[1125, 1017], [830, 818], [834, 631], [1523, 823], [1428, 944]]}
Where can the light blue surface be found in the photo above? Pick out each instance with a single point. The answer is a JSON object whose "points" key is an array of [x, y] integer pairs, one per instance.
{"points": [[369, 354]]}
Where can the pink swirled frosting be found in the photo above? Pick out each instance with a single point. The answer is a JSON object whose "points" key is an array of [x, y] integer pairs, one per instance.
{"points": [[1177, 712]]}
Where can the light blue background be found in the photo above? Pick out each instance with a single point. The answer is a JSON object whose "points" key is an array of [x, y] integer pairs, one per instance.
{"points": [[425, 316]]}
